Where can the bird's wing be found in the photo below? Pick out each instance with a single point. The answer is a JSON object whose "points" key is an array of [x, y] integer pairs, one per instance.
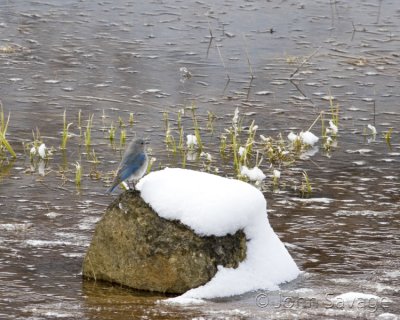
{"points": [[130, 165]]}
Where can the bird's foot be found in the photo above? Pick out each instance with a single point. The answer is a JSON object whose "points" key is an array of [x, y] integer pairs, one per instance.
{"points": [[131, 188]]}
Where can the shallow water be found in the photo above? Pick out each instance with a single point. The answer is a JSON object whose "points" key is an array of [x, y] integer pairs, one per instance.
{"points": [[124, 57]]}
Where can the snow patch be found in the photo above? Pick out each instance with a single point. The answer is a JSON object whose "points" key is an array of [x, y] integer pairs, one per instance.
{"points": [[308, 138], [254, 174], [191, 140]]}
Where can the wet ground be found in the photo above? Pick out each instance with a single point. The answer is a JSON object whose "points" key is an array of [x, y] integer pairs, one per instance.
{"points": [[125, 57]]}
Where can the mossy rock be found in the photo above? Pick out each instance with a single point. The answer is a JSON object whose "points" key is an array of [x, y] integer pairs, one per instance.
{"points": [[135, 247]]}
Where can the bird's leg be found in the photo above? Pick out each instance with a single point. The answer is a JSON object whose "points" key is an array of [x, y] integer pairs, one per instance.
{"points": [[129, 185]]}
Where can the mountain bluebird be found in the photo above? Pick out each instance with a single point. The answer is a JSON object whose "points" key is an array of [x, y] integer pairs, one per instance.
{"points": [[133, 164]]}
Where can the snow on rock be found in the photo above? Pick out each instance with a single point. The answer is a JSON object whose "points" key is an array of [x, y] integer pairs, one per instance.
{"points": [[254, 174], [213, 205]]}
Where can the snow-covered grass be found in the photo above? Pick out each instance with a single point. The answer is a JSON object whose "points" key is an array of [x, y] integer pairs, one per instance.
{"points": [[240, 154], [213, 205], [254, 174]]}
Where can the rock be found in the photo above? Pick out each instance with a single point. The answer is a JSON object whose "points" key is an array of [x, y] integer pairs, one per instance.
{"points": [[135, 247]]}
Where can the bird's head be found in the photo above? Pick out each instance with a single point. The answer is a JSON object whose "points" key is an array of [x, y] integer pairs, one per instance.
{"points": [[139, 144]]}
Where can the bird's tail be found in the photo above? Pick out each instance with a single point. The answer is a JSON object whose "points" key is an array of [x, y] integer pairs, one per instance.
{"points": [[111, 189]]}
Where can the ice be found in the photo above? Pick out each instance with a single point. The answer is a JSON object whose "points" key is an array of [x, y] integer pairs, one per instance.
{"points": [[184, 301], [213, 205], [263, 93], [310, 200], [351, 296], [388, 316]]}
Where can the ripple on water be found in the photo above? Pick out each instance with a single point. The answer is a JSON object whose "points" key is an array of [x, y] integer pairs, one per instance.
{"points": [[367, 213], [64, 309], [15, 226]]}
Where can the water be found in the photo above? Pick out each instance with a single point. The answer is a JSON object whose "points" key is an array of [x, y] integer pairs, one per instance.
{"points": [[123, 57]]}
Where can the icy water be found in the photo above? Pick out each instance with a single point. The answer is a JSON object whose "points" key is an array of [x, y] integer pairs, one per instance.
{"points": [[125, 57]]}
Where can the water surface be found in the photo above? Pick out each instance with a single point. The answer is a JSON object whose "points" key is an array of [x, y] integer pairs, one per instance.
{"points": [[278, 62]]}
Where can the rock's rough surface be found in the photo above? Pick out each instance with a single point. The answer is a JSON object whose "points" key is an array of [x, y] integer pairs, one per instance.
{"points": [[134, 247]]}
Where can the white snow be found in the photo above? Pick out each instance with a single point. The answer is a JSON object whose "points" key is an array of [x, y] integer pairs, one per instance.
{"points": [[213, 205], [309, 138], [276, 174], [333, 127], [191, 140], [306, 137], [292, 136], [254, 174], [42, 150], [33, 151], [351, 296], [372, 128]]}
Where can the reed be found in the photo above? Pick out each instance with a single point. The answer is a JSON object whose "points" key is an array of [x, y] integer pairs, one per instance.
{"points": [[78, 174], [180, 129], [388, 137], [122, 138], [196, 127], [210, 121], [80, 122], [131, 119], [88, 132], [305, 188], [111, 133], [65, 133], [3, 131]]}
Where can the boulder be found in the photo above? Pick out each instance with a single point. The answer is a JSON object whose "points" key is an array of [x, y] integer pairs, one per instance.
{"points": [[135, 247]]}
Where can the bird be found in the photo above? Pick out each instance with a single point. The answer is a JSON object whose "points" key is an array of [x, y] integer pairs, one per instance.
{"points": [[133, 164]]}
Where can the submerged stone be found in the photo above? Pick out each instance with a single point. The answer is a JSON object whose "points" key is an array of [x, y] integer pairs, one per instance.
{"points": [[135, 247]]}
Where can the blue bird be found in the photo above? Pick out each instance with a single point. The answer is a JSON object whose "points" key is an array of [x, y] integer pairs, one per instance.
{"points": [[133, 164]]}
